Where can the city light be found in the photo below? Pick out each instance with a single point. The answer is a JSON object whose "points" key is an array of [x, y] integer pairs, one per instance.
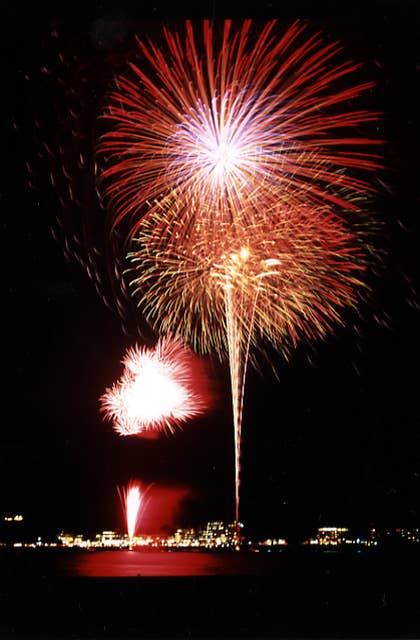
{"points": [[223, 536], [16, 518]]}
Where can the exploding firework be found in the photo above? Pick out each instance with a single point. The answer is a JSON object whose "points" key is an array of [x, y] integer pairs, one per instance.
{"points": [[287, 277], [224, 118], [160, 388], [132, 499], [229, 288], [225, 161]]}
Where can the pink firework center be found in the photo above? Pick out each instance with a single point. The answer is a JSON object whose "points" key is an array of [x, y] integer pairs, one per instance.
{"points": [[160, 388], [151, 393]]}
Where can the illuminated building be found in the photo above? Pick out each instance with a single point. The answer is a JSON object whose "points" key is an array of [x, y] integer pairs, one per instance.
{"points": [[220, 534], [109, 539], [329, 536], [216, 534], [66, 539], [185, 538], [273, 542], [408, 535], [339, 536], [411, 535], [333, 536], [12, 528], [69, 540], [139, 541]]}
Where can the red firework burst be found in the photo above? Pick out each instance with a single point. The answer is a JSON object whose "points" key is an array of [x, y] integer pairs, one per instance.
{"points": [[228, 125], [160, 388]]}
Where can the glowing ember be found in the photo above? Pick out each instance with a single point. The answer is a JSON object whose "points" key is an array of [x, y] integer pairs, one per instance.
{"points": [[161, 387]]}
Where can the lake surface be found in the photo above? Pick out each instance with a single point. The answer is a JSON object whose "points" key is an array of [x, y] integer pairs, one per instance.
{"points": [[146, 594], [113, 564]]}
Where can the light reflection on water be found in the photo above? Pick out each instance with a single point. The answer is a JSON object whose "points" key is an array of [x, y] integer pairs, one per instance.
{"points": [[140, 563]]}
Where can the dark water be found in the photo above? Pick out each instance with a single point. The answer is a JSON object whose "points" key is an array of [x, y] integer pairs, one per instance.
{"points": [[125, 564], [138, 563], [123, 594]]}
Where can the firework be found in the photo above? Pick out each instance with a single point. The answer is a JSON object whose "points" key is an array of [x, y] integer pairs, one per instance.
{"points": [[214, 120], [231, 287], [160, 388], [225, 163], [132, 499], [286, 278]]}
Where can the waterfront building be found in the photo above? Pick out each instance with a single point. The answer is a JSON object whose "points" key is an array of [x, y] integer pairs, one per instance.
{"points": [[110, 539], [331, 536], [66, 539], [220, 534], [406, 535], [273, 542]]}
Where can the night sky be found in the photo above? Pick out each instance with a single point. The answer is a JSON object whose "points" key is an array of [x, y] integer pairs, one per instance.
{"points": [[333, 439]]}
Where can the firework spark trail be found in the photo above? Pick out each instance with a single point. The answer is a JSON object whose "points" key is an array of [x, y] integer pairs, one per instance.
{"points": [[205, 119], [132, 498], [238, 344], [160, 388], [238, 350], [133, 503], [237, 376]]}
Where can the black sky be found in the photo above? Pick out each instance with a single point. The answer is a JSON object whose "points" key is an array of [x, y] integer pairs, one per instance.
{"points": [[335, 440]]}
